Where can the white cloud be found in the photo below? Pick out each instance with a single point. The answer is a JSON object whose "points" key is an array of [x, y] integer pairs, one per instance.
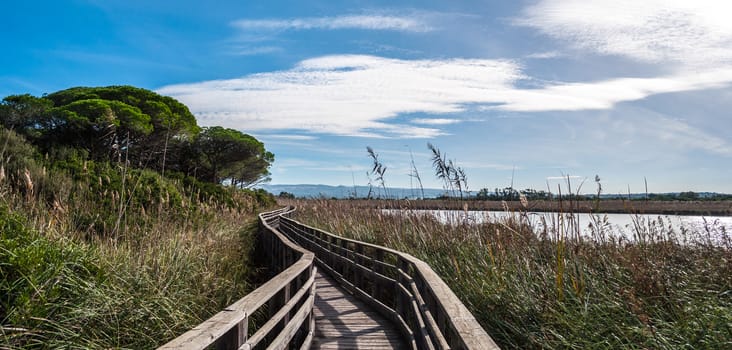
{"points": [[605, 94], [545, 55], [354, 95], [689, 33], [364, 22], [288, 137], [348, 95], [435, 121]]}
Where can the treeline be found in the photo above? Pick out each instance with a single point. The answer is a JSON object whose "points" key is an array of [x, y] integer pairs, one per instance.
{"points": [[135, 127], [512, 194]]}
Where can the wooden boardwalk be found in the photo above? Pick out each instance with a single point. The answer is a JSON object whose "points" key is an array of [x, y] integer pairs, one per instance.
{"points": [[344, 322], [309, 309]]}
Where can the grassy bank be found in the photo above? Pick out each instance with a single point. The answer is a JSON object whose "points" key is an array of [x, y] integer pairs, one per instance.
{"points": [[99, 255], [557, 289]]}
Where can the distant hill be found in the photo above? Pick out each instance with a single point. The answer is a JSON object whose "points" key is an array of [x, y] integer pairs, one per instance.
{"points": [[317, 191]]}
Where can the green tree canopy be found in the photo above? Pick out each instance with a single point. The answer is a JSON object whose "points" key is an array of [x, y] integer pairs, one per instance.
{"points": [[102, 127], [170, 121], [228, 153], [150, 130], [165, 112], [23, 113]]}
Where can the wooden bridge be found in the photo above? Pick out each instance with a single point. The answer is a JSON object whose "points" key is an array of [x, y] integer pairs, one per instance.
{"points": [[329, 292]]}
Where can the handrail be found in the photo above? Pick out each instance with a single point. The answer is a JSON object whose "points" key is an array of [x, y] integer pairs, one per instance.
{"points": [[289, 297], [398, 285]]}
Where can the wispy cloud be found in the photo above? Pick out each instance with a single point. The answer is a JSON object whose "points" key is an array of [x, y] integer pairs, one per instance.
{"points": [[677, 134], [606, 93], [380, 49], [690, 40], [435, 121], [288, 137], [689, 33], [545, 55], [363, 22], [254, 51], [348, 95], [356, 95], [688, 137]]}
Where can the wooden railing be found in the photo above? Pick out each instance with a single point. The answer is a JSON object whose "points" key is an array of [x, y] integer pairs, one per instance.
{"points": [[287, 297], [398, 285]]}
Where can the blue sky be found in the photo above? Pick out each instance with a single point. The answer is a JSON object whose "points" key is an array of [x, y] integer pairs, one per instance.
{"points": [[524, 90]]}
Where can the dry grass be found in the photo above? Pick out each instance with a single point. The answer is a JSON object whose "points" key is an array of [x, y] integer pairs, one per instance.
{"points": [[558, 289], [70, 278]]}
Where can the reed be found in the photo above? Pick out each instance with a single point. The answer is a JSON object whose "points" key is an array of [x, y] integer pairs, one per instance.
{"points": [[88, 263], [556, 288]]}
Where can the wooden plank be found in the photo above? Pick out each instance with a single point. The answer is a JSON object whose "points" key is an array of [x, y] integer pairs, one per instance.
{"points": [[345, 322]]}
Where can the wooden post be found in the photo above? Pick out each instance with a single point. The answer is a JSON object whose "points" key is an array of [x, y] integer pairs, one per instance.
{"points": [[235, 337], [344, 253], [285, 299], [359, 272], [400, 301], [331, 258], [311, 317], [283, 258], [272, 255], [377, 292]]}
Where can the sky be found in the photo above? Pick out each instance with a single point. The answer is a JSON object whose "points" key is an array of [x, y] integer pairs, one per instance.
{"points": [[529, 93]]}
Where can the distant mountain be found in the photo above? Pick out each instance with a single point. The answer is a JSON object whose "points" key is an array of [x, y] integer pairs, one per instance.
{"points": [[326, 191]]}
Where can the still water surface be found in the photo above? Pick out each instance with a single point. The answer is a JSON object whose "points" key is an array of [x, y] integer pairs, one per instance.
{"points": [[625, 225]]}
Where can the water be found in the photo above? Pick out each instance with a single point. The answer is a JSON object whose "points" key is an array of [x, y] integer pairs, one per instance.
{"points": [[628, 226]]}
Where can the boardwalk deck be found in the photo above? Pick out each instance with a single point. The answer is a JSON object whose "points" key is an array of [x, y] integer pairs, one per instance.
{"points": [[344, 322], [312, 310]]}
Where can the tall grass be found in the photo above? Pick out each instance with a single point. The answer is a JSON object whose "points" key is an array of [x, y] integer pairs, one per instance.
{"points": [[86, 263], [557, 289]]}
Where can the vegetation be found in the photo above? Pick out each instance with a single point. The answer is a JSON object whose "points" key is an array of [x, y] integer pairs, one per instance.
{"points": [[556, 289], [147, 130], [453, 177], [115, 231], [549, 286], [378, 171]]}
